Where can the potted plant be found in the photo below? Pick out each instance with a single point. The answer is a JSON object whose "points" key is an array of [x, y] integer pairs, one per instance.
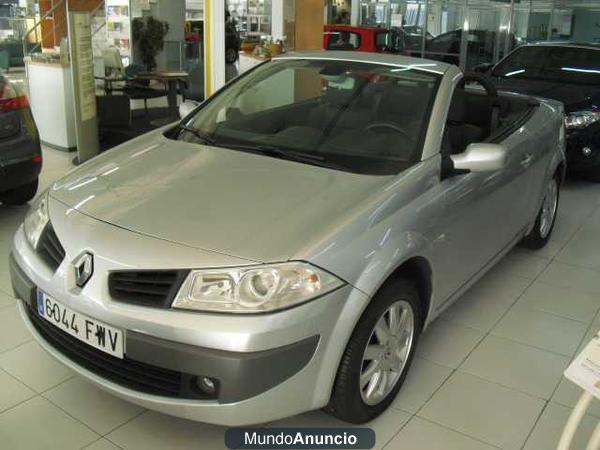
{"points": [[149, 37]]}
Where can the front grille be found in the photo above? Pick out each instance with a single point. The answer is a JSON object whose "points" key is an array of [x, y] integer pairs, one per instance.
{"points": [[125, 372], [50, 248], [153, 288]]}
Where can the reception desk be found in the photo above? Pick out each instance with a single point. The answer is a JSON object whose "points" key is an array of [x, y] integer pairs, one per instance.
{"points": [[52, 104]]}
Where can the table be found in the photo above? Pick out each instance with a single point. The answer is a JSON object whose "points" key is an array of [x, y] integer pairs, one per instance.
{"points": [[172, 80]]}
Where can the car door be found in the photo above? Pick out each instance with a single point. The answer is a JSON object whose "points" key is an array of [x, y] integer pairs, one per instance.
{"points": [[484, 214]]}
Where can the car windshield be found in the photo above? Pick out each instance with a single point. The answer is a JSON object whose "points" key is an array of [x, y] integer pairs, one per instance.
{"points": [[552, 63], [352, 116]]}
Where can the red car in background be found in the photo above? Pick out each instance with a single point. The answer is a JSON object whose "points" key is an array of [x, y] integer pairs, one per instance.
{"points": [[362, 39]]}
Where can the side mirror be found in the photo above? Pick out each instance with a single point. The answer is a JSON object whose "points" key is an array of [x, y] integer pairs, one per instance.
{"points": [[481, 157], [186, 108], [482, 68]]}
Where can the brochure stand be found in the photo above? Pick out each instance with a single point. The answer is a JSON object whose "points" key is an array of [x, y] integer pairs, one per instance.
{"points": [[585, 372], [84, 86]]}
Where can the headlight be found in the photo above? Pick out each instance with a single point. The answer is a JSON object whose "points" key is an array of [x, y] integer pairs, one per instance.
{"points": [[581, 119], [255, 288], [36, 220]]}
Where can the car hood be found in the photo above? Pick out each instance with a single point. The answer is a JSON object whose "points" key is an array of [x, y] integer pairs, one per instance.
{"points": [[250, 206], [574, 96]]}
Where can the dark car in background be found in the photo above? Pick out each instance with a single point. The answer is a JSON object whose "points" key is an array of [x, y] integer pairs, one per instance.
{"points": [[482, 46], [567, 72], [20, 151], [410, 37]]}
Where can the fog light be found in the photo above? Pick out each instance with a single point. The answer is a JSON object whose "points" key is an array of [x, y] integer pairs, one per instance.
{"points": [[206, 385], [586, 151]]}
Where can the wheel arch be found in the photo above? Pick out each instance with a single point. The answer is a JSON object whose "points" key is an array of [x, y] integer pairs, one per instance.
{"points": [[417, 269], [561, 169]]}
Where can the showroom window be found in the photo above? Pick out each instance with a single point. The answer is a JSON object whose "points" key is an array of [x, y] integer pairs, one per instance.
{"points": [[473, 32]]}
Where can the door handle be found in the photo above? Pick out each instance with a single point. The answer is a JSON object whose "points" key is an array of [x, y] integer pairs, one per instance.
{"points": [[526, 162]]}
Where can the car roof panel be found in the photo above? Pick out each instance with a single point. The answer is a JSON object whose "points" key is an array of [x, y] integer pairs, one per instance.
{"points": [[389, 59]]}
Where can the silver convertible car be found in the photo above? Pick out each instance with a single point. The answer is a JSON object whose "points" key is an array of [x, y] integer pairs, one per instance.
{"points": [[282, 248]]}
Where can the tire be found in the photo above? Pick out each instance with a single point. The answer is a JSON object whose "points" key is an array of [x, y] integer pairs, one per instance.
{"points": [[20, 195], [231, 55], [593, 176], [546, 218], [349, 400]]}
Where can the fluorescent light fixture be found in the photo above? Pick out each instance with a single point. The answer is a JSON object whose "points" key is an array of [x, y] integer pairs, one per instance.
{"points": [[514, 72], [575, 69], [413, 66]]}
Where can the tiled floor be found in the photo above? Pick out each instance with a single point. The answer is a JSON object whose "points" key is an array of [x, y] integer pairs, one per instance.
{"points": [[488, 373]]}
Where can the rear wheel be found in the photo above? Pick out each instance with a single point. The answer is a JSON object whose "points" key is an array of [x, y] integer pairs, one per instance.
{"points": [[20, 195], [544, 224], [377, 357]]}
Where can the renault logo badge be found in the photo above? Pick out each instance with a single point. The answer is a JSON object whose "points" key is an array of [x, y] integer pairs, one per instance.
{"points": [[84, 268]]}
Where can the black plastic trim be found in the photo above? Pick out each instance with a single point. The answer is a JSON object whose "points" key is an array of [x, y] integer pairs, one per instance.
{"points": [[507, 131], [154, 365], [150, 288], [50, 249]]}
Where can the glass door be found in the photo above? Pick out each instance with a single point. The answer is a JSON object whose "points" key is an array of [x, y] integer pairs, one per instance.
{"points": [[445, 23], [375, 14], [489, 36]]}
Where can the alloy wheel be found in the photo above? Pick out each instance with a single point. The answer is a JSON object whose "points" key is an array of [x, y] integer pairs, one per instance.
{"points": [[549, 208], [387, 352]]}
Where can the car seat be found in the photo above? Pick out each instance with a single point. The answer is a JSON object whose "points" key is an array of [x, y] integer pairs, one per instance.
{"points": [[460, 132]]}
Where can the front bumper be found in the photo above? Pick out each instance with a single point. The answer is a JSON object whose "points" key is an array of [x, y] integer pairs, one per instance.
{"points": [[240, 375], [14, 174], [285, 367], [577, 140]]}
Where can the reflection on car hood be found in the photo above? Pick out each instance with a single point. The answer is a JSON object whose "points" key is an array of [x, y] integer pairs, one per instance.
{"points": [[245, 205], [574, 96]]}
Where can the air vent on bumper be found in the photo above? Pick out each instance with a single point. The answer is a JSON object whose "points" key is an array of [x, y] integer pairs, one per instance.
{"points": [[50, 248]]}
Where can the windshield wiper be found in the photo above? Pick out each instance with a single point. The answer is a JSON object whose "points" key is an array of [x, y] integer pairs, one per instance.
{"points": [[204, 137], [292, 155]]}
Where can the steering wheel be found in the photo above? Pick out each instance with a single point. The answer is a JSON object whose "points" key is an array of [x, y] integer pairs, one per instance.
{"points": [[482, 80], [388, 125]]}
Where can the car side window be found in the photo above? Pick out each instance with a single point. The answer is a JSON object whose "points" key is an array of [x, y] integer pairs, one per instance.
{"points": [[384, 40]]}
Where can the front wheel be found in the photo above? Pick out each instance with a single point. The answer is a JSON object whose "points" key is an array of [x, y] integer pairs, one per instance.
{"points": [[231, 55], [544, 223], [20, 195], [377, 357]]}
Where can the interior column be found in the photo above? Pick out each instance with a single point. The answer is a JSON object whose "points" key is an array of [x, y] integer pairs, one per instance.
{"points": [[214, 46], [355, 12], [309, 24]]}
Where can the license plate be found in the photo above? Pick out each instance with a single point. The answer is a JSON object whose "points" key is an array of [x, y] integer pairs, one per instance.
{"points": [[91, 331]]}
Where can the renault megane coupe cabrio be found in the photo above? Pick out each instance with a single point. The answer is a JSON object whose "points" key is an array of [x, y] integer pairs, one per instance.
{"points": [[282, 248]]}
